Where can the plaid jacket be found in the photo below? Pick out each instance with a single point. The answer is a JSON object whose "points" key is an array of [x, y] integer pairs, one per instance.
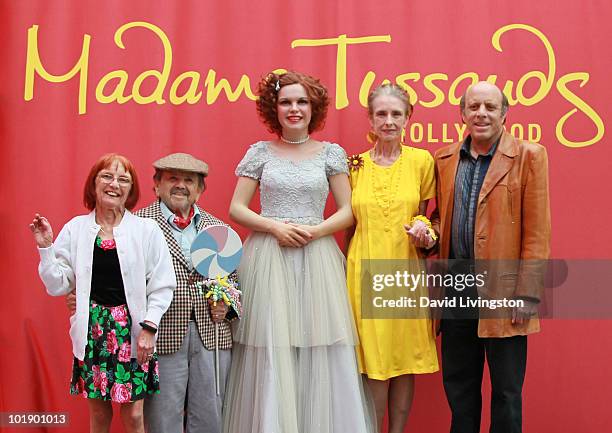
{"points": [[173, 325]]}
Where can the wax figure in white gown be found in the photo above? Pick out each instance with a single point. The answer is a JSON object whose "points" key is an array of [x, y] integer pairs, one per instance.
{"points": [[293, 364]]}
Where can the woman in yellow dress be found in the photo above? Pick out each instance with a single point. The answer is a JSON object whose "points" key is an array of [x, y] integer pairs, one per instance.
{"points": [[392, 184]]}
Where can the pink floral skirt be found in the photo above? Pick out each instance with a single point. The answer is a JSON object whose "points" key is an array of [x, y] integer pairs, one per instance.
{"points": [[109, 370]]}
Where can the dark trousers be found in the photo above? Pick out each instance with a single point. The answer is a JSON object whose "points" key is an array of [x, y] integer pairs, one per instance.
{"points": [[463, 356]]}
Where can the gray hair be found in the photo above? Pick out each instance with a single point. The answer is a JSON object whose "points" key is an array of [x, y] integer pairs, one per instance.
{"points": [[389, 89]]}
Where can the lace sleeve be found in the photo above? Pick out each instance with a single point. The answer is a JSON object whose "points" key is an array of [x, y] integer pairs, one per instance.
{"points": [[336, 160], [253, 161]]}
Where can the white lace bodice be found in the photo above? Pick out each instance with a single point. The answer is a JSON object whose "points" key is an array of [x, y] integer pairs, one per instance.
{"points": [[293, 190]]}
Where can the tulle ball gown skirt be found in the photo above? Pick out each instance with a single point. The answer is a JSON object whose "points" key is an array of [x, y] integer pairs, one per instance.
{"points": [[293, 362]]}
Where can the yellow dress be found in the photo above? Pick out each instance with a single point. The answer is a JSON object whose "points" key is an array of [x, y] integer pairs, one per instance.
{"points": [[384, 199]]}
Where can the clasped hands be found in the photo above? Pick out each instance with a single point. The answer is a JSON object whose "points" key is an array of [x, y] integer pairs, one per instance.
{"points": [[419, 235], [294, 235]]}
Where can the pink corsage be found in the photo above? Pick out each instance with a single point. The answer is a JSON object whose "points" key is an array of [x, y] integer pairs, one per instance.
{"points": [[107, 244]]}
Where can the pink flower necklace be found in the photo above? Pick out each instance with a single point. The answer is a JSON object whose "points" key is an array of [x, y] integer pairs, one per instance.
{"points": [[106, 244]]}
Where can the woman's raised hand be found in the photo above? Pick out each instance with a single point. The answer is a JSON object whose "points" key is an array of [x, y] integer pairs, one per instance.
{"points": [[42, 231]]}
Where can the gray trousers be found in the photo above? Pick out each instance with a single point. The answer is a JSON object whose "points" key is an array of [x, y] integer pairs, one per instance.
{"points": [[187, 388]]}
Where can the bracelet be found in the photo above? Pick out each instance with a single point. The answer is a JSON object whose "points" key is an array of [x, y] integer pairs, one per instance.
{"points": [[426, 221], [148, 327]]}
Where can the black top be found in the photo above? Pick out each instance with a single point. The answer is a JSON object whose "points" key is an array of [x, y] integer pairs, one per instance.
{"points": [[106, 281]]}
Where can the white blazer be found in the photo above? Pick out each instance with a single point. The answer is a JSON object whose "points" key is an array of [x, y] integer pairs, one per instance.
{"points": [[146, 270]]}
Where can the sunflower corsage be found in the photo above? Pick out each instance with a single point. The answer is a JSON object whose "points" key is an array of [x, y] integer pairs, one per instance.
{"points": [[425, 221], [355, 162]]}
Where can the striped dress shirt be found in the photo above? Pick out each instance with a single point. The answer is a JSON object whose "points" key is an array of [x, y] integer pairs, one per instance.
{"points": [[468, 181]]}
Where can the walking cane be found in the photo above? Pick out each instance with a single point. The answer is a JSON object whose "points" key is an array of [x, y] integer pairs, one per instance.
{"points": [[217, 380]]}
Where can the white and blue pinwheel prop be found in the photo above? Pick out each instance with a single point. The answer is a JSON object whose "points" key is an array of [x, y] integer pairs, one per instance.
{"points": [[216, 251]]}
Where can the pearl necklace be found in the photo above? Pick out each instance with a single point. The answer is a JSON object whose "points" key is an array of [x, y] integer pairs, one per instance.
{"points": [[299, 141]]}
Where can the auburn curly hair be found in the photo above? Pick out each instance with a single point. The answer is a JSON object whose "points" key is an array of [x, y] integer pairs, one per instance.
{"points": [[268, 89]]}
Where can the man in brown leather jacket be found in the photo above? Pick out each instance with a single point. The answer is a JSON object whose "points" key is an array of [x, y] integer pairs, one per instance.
{"points": [[493, 212]]}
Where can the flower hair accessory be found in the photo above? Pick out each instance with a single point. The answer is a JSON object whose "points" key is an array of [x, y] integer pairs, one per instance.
{"points": [[273, 81], [355, 162], [426, 221]]}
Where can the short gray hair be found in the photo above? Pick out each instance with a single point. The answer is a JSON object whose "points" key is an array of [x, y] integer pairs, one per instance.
{"points": [[390, 89]]}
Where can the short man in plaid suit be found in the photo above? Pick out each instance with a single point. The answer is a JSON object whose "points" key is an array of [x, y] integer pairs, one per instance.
{"points": [[185, 341]]}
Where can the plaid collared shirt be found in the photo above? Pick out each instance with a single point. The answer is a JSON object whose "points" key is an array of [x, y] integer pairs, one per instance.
{"points": [[187, 296], [468, 182]]}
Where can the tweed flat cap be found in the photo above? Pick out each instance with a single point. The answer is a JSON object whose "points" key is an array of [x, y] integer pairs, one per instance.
{"points": [[182, 161]]}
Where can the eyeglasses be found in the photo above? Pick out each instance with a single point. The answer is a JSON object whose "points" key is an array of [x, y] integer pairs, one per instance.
{"points": [[121, 180]]}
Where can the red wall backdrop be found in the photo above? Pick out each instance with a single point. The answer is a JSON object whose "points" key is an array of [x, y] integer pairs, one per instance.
{"points": [[552, 58]]}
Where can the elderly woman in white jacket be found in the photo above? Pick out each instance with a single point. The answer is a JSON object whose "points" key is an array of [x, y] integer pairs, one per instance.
{"points": [[122, 271]]}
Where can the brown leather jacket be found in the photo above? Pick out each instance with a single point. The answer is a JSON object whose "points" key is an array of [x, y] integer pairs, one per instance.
{"points": [[512, 222]]}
